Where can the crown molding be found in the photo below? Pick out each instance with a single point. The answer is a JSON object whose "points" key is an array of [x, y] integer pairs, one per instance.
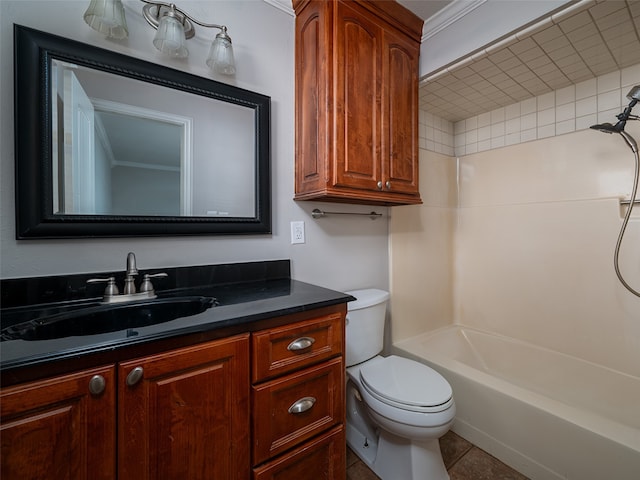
{"points": [[438, 22], [447, 16], [283, 5]]}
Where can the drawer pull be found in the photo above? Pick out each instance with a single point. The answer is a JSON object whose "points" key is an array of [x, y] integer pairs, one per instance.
{"points": [[302, 405], [300, 344]]}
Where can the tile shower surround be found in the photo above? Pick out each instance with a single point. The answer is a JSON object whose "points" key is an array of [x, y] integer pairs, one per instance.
{"points": [[569, 109]]}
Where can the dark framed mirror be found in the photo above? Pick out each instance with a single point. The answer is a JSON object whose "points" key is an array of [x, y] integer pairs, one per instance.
{"points": [[108, 145]]}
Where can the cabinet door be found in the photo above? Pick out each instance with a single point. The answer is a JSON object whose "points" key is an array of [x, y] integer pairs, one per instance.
{"points": [[313, 87], [358, 97], [185, 414], [400, 115], [57, 429]]}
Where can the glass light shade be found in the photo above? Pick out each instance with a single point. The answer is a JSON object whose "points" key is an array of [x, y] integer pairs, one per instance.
{"points": [[107, 17], [220, 58], [170, 38]]}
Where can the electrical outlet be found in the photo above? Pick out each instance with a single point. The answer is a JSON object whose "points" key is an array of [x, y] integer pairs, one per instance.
{"points": [[297, 232]]}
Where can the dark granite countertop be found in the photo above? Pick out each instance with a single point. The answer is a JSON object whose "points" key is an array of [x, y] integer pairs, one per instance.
{"points": [[246, 293]]}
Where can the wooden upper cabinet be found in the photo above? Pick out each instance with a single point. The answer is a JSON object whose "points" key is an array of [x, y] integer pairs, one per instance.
{"points": [[57, 429], [357, 102]]}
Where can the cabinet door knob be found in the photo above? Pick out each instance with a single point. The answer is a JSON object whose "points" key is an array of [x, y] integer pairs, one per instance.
{"points": [[97, 384], [302, 405], [380, 185], [388, 185], [300, 344], [134, 376]]}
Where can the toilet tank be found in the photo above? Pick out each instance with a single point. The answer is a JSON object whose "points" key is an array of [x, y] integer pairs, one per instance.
{"points": [[365, 324]]}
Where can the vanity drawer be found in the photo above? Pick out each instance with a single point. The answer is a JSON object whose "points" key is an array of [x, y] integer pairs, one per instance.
{"points": [[282, 350], [292, 409], [322, 458]]}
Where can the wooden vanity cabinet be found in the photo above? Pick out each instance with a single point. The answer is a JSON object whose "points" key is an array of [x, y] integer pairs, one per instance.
{"points": [[298, 400], [57, 429], [181, 414], [357, 102], [223, 409]]}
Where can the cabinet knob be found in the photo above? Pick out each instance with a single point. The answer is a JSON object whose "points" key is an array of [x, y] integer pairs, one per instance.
{"points": [[302, 405], [380, 185], [134, 376], [97, 384], [388, 185], [300, 344]]}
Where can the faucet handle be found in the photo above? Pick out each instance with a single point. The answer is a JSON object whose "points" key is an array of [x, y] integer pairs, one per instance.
{"points": [[111, 289], [146, 285]]}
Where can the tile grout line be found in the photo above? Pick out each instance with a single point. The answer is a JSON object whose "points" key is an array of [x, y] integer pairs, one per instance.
{"points": [[460, 457]]}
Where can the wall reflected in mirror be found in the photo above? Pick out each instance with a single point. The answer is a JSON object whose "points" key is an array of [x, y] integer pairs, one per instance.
{"points": [[120, 147]]}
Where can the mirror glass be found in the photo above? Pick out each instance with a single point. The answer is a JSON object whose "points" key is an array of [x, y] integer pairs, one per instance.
{"points": [[130, 148], [119, 149]]}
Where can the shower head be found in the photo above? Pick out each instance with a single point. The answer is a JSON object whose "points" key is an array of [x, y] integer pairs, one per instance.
{"points": [[634, 96], [609, 128], [617, 128]]}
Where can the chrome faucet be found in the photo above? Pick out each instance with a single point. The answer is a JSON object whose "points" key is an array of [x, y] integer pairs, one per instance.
{"points": [[112, 294]]}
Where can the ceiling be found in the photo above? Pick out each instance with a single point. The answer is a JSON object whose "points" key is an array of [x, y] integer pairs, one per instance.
{"points": [[425, 8], [128, 137], [595, 38]]}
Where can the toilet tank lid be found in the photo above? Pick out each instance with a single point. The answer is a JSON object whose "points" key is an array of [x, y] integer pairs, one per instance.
{"points": [[366, 298]]}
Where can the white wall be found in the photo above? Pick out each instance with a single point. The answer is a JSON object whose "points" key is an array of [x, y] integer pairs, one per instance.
{"points": [[341, 252], [422, 252]]}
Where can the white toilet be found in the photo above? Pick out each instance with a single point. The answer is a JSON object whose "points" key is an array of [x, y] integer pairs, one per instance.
{"points": [[397, 408]]}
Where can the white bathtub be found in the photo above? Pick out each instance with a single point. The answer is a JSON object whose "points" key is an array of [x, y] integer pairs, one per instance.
{"points": [[548, 415]]}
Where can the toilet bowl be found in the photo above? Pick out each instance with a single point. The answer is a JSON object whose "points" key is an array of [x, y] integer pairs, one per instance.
{"points": [[397, 408]]}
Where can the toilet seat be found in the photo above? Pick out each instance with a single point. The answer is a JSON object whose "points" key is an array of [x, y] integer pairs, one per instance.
{"points": [[406, 384]]}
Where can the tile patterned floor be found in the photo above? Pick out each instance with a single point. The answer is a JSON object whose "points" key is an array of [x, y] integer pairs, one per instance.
{"points": [[463, 460]]}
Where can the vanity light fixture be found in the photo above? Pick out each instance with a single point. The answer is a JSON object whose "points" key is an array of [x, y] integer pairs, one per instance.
{"points": [[174, 27]]}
